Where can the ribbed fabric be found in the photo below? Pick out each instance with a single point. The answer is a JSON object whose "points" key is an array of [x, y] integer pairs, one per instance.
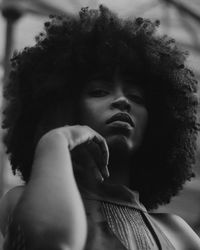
{"points": [[128, 226], [126, 218]]}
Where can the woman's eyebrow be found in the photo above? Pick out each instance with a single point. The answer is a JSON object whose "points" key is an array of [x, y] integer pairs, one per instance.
{"points": [[133, 83], [100, 82], [106, 82]]}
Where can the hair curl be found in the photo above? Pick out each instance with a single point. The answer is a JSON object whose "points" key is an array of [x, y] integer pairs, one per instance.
{"points": [[68, 53]]}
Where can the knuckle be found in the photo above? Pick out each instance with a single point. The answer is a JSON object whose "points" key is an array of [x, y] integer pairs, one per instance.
{"points": [[87, 127], [76, 126], [53, 132]]}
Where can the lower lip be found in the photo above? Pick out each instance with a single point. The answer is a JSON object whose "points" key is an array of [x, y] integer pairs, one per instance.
{"points": [[121, 124]]}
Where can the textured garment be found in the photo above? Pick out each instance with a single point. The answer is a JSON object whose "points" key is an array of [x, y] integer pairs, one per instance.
{"points": [[117, 221], [129, 227]]}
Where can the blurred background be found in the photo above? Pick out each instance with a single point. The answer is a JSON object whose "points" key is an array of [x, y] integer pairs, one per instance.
{"points": [[22, 20]]}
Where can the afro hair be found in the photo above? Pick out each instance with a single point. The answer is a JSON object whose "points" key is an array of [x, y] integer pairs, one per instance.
{"points": [[72, 50]]}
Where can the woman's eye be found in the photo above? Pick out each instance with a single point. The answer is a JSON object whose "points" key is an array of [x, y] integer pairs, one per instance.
{"points": [[137, 98], [98, 92]]}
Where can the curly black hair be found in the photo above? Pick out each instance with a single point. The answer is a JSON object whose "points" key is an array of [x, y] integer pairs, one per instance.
{"points": [[70, 51]]}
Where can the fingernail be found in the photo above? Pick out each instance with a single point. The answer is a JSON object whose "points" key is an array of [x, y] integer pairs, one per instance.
{"points": [[106, 172], [99, 177]]}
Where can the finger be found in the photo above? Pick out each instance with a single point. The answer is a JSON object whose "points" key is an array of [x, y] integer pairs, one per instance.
{"points": [[80, 156], [77, 168], [97, 155], [101, 142], [85, 166], [93, 176], [98, 175]]}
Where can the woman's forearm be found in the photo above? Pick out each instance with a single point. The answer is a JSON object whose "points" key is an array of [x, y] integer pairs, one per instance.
{"points": [[51, 209]]}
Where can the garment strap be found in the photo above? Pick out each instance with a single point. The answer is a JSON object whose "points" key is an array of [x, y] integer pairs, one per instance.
{"points": [[162, 240]]}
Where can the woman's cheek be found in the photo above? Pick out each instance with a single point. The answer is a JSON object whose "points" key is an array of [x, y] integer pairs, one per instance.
{"points": [[143, 121]]}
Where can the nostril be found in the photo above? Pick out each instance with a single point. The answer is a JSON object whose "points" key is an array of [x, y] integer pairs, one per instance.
{"points": [[122, 104]]}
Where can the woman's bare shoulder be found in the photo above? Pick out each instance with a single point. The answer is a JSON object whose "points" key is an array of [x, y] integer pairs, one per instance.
{"points": [[7, 205], [177, 230]]}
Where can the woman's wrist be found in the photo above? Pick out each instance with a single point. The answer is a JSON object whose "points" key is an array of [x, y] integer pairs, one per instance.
{"points": [[53, 139], [52, 157]]}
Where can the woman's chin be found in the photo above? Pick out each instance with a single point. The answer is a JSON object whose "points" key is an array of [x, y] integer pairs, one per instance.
{"points": [[120, 143]]}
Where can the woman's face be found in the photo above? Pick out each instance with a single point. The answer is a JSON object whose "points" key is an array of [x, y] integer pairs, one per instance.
{"points": [[115, 109]]}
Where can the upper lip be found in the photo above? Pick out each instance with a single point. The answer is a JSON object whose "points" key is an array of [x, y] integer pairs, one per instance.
{"points": [[124, 117]]}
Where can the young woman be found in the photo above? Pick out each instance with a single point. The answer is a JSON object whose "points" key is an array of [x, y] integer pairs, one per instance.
{"points": [[101, 124]]}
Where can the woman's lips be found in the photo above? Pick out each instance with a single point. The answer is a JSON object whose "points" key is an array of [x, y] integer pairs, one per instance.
{"points": [[121, 119], [120, 124]]}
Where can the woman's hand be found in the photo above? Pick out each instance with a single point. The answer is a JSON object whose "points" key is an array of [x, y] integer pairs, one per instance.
{"points": [[89, 152], [50, 212]]}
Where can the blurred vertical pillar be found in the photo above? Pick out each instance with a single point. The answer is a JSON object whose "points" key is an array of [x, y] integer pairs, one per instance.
{"points": [[11, 15]]}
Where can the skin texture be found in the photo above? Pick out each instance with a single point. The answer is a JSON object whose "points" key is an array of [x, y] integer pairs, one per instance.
{"points": [[101, 100], [104, 98]]}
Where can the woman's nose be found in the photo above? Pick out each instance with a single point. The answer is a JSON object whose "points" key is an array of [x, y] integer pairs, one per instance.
{"points": [[121, 103]]}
